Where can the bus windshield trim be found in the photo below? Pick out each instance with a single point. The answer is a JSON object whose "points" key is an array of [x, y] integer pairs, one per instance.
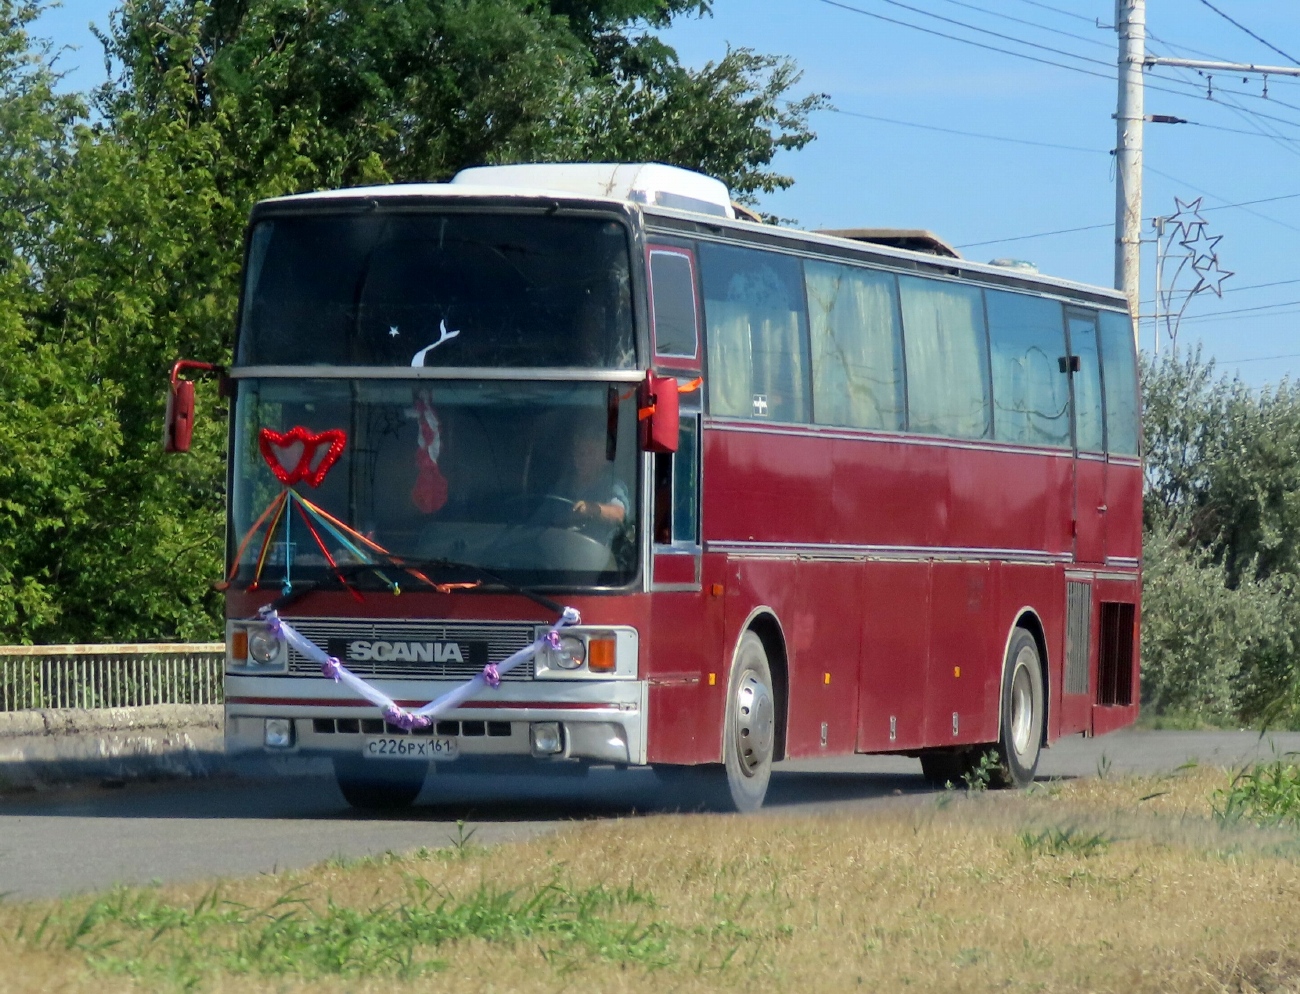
{"points": [[532, 373]]}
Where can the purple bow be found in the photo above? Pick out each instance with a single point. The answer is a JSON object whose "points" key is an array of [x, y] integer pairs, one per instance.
{"points": [[405, 719], [491, 675], [332, 668]]}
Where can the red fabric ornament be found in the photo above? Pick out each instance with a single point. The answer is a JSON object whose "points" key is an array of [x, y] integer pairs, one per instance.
{"points": [[279, 452], [430, 491]]}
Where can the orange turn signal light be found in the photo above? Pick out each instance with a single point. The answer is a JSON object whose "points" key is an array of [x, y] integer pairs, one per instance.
{"points": [[239, 644], [600, 655]]}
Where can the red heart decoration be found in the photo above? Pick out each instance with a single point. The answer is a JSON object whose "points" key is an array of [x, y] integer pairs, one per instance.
{"points": [[274, 444]]}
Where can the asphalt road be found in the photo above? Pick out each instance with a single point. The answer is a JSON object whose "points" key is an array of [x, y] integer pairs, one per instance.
{"points": [[65, 840]]}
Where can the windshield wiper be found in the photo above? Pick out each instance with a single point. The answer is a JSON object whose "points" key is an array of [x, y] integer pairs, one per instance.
{"points": [[343, 571], [487, 574]]}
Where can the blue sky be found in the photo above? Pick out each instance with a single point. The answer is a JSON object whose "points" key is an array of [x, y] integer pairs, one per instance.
{"points": [[863, 171]]}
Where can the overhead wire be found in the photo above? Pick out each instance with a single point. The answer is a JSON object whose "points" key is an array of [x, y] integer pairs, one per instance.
{"points": [[1096, 227], [966, 41], [967, 134], [995, 34], [1032, 24], [1108, 76], [1237, 24], [1058, 10]]}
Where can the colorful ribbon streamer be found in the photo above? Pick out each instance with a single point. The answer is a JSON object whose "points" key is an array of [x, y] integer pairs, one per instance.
{"points": [[425, 716]]}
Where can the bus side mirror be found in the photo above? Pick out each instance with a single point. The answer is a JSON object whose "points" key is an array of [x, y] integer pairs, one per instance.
{"points": [[658, 413], [178, 423], [178, 428]]}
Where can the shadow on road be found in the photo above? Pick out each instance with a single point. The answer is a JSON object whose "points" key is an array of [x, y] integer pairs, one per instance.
{"points": [[602, 793]]}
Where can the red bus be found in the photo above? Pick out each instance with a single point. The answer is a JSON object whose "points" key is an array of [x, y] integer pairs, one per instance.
{"points": [[811, 496]]}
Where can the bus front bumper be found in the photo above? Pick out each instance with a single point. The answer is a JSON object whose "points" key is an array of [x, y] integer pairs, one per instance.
{"points": [[596, 721]]}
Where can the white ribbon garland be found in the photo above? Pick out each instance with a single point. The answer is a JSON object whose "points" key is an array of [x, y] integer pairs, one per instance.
{"points": [[425, 716]]}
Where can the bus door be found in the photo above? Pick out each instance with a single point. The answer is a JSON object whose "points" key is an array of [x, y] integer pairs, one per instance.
{"points": [[685, 614], [1084, 365]]}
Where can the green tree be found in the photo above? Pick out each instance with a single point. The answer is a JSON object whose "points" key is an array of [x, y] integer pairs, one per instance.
{"points": [[1222, 557], [121, 231]]}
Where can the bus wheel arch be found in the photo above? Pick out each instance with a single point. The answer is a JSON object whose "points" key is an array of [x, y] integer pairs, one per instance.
{"points": [[1028, 619], [1022, 704], [763, 622]]}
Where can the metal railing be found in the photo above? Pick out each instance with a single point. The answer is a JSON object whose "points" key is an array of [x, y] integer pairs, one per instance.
{"points": [[110, 676]]}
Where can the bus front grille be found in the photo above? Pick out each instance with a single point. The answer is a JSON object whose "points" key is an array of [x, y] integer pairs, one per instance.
{"points": [[492, 641]]}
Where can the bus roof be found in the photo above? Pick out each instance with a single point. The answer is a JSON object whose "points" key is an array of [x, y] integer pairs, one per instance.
{"points": [[680, 195]]}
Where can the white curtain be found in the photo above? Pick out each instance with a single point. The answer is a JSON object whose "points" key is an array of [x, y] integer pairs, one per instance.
{"points": [[856, 352], [947, 365]]}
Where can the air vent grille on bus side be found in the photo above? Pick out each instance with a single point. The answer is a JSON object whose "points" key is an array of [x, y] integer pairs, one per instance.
{"points": [[1115, 667], [1078, 621]]}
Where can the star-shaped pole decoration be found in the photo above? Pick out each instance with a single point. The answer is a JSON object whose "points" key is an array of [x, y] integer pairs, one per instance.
{"points": [[1187, 217], [1211, 275]]}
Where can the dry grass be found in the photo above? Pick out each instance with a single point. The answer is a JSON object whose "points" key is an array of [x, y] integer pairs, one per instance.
{"points": [[1120, 884]]}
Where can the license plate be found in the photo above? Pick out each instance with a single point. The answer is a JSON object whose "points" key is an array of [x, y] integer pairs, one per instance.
{"points": [[408, 747]]}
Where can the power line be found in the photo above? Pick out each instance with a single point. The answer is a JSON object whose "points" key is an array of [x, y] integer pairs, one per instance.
{"points": [[1095, 227], [1208, 55], [1027, 23], [1243, 27], [967, 41], [1057, 10], [1259, 358], [1248, 286], [1243, 310], [996, 34], [967, 134], [1214, 196]]}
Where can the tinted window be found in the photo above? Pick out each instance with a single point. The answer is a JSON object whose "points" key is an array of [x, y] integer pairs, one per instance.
{"points": [[947, 358], [672, 283], [757, 334], [1031, 396], [686, 483], [1119, 367], [857, 349], [426, 289], [1088, 426]]}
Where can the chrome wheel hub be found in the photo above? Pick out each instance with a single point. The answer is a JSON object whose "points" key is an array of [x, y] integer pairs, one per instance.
{"points": [[755, 722], [1022, 703]]}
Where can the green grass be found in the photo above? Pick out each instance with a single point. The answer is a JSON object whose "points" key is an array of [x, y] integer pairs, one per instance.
{"points": [[137, 934], [1264, 794], [1067, 841]]}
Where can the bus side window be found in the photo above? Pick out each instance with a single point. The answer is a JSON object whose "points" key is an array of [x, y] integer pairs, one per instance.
{"points": [[1119, 368], [857, 347], [946, 346], [1089, 426], [672, 299], [1031, 396], [757, 327], [677, 489]]}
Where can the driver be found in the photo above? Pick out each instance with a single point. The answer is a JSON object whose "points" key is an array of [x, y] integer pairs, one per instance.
{"points": [[598, 495]]}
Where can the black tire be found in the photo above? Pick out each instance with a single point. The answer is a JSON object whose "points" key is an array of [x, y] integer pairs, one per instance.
{"points": [[749, 729], [1023, 712], [379, 786], [942, 767]]}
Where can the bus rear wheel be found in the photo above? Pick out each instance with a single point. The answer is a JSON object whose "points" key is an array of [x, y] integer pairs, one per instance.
{"points": [[379, 786], [749, 733], [1023, 713]]}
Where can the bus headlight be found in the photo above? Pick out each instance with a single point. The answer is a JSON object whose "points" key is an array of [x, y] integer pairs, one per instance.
{"points": [[263, 647], [571, 654]]}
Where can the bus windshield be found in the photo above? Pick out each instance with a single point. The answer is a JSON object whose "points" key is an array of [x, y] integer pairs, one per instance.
{"points": [[419, 288], [534, 482]]}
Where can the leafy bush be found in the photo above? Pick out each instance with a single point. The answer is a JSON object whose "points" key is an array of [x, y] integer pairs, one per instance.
{"points": [[1266, 794], [1221, 628]]}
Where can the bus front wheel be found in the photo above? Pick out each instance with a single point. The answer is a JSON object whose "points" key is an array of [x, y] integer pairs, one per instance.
{"points": [[749, 734], [1023, 713], [379, 786]]}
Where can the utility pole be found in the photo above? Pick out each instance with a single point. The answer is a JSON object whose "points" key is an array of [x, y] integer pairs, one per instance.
{"points": [[1131, 24]]}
